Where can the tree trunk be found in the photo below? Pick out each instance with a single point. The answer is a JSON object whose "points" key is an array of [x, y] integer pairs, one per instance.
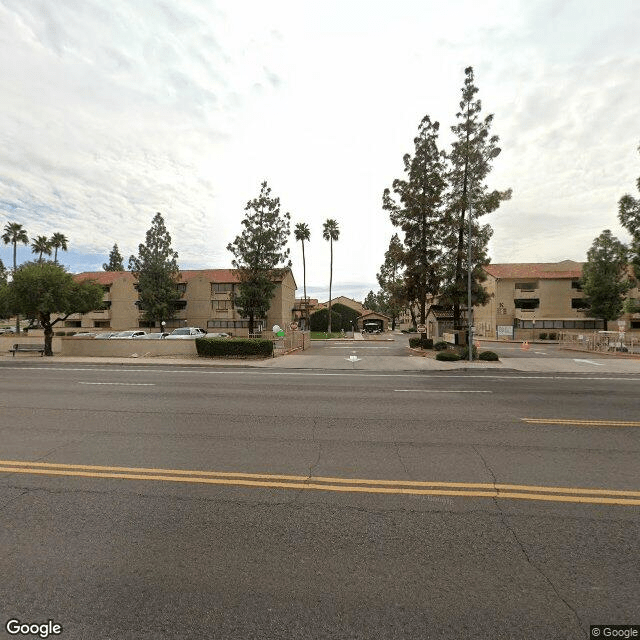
{"points": [[48, 335], [305, 311], [15, 266], [330, 283]]}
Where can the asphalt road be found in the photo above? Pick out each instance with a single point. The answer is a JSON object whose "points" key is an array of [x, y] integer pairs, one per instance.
{"points": [[172, 502]]}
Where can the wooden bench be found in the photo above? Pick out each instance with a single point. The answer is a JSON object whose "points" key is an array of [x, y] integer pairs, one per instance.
{"points": [[26, 347]]}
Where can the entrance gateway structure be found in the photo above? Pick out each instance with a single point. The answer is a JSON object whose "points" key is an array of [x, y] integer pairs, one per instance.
{"points": [[373, 322]]}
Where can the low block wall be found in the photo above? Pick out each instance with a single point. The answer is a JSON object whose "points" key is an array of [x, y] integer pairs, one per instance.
{"points": [[89, 347], [7, 341]]}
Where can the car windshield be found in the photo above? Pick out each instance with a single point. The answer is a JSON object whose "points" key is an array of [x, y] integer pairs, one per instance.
{"points": [[181, 332]]}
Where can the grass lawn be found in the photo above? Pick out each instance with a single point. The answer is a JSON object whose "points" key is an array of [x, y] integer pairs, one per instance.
{"points": [[323, 335]]}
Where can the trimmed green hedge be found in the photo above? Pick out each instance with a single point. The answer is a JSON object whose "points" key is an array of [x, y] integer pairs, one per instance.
{"points": [[425, 343], [447, 356], [489, 355], [234, 348], [440, 346]]}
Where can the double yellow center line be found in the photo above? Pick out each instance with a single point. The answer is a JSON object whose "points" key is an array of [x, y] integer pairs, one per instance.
{"points": [[318, 483], [581, 423]]}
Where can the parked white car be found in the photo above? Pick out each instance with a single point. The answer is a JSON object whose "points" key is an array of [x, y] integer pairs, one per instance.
{"points": [[187, 333], [127, 335]]}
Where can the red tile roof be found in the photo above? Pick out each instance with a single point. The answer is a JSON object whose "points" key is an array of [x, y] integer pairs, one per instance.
{"points": [[212, 275], [103, 277], [539, 270]]}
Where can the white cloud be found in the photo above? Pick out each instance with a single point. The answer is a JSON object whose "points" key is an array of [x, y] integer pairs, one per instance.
{"points": [[111, 112]]}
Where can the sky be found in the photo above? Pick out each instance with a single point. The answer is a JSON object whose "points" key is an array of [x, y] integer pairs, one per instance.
{"points": [[112, 111]]}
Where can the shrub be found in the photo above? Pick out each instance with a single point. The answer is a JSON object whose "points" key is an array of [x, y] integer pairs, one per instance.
{"points": [[447, 356], [440, 346], [319, 320], [489, 355], [425, 343], [464, 354], [347, 316], [543, 336], [236, 348], [553, 336]]}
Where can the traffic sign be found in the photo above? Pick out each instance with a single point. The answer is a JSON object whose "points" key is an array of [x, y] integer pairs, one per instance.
{"points": [[422, 328]]}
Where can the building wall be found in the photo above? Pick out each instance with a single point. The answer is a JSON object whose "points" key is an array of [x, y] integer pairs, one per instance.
{"points": [[555, 312], [203, 307]]}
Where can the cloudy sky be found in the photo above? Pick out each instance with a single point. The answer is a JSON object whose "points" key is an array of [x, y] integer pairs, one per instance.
{"points": [[111, 111]]}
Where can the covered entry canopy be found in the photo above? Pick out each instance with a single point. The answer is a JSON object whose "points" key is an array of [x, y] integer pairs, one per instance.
{"points": [[372, 322]]}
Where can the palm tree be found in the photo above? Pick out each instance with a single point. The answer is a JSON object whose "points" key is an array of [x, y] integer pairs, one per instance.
{"points": [[302, 233], [331, 233], [41, 245], [58, 241], [14, 233]]}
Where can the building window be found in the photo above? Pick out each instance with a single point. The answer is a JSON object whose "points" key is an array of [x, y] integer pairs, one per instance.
{"points": [[527, 286], [224, 287], [580, 303], [526, 303], [576, 284], [182, 287], [227, 324], [179, 305], [220, 305]]}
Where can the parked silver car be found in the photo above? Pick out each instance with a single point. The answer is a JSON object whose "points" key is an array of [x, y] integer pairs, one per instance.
{"points": [[187, 333], [106, 335], [153, 336]]}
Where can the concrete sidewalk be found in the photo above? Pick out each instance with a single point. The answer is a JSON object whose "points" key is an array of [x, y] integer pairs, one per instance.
{"points": [[581, 363]]}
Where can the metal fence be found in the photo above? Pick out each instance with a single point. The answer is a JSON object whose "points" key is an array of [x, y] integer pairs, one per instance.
{"points": [[603, 341], [291, 341]]}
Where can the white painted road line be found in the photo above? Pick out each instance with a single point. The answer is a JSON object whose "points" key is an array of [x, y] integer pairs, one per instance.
{"points": [[598, 364], [357, 374], [438, 391], [358, 347], [125, 384]]}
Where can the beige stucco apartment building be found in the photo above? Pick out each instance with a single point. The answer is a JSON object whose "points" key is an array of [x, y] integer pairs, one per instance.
{"points": [[207, 302], [534, 298]]}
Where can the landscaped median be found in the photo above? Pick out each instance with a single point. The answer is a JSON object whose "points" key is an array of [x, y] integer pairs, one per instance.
{"points": [[234, 348], [448, 353]]}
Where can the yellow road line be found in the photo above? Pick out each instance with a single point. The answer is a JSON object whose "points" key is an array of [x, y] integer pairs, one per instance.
{"points": [[581, 423], [253, 477], [553, 494]]}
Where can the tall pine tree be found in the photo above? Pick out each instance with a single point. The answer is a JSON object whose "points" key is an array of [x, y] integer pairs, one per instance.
{"points": [[604, 277], [629, 216], [156, 270], [116, 261], [469, 165], [417, 210], [391, 279], [260, 254]]}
